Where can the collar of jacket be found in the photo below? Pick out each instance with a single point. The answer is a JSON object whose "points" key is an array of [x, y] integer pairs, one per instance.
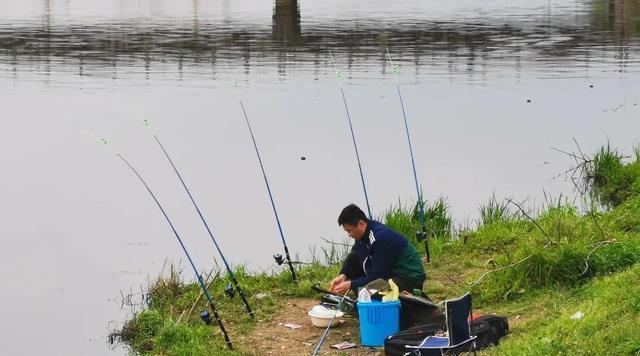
{"points": [[366, 238]]}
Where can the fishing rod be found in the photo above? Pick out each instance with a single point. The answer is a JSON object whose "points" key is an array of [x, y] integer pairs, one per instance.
{"points": [[422, 234], [206, 317], [326, 331], [229, 289], [278, 257], [353, 136]]}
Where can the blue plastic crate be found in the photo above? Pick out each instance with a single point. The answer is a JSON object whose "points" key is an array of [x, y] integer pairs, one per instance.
{"points": [[377, 321]]}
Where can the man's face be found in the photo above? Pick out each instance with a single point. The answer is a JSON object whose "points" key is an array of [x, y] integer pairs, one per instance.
{"points": [[356, 231]]}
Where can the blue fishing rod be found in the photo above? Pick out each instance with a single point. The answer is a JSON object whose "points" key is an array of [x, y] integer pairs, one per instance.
{"points": [[326, 330], [422, 234], [353, 136], [206, 317], [278, 257], [229, 290]]}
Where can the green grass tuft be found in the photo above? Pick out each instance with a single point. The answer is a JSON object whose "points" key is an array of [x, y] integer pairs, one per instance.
{"points": [[609, 179], [406, 221], [494, 211]]}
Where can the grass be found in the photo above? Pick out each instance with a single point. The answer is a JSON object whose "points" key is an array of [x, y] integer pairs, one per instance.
{"points": [[571, 250], [166, 327], [538, 270], [611, 308], [610, 179], [406, 221], [494, 211]]}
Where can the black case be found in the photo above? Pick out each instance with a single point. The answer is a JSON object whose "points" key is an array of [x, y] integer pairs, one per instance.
{"points": [[488, 329]]}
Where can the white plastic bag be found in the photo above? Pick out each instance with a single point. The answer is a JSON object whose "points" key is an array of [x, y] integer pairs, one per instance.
{"points": [[364, 295]]}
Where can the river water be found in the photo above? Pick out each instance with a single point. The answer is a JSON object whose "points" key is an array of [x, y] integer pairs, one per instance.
{"points": [[488, 88]]}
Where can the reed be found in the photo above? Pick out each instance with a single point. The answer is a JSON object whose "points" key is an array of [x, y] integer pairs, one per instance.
{"points": [[494, 211]]}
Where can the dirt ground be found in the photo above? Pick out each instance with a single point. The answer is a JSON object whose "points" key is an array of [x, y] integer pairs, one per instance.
{"points": [[273, 338]]}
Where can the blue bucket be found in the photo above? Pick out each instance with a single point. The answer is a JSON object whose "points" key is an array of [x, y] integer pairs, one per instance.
{"points": [[377, 321]]}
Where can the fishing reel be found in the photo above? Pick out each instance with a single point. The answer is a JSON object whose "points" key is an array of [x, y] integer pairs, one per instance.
{"points": [[206, 317], [279, 259], [424, 234], [421, 235], [229, 291], [335, 301]]}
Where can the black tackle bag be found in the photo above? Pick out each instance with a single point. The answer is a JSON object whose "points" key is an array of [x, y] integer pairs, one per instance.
{"points": [[488, 329], [418, 311]]}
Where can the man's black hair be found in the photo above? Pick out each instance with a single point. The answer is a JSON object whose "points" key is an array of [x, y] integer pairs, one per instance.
{"points": [[351, 214]]}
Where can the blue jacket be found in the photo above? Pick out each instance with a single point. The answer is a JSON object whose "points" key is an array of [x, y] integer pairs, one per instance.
{"points": [[378, 250]]}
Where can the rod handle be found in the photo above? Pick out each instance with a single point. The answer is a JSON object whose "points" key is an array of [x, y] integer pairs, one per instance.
{"points": [[427, 253], [293, 271], [247, 307], [227, 340], [426, 250]]}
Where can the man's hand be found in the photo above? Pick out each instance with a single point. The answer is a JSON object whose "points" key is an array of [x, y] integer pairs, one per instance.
{"points": [[342, 288], [341, 278]]}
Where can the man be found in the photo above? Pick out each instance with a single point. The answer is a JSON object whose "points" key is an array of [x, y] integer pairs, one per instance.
{"points": [[378, 252]]}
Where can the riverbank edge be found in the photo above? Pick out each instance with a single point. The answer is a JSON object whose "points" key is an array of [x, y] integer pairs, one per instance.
{"points": [[562, 275]]}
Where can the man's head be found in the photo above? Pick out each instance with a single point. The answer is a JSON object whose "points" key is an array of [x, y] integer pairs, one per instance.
{"points": [[354, 221]]}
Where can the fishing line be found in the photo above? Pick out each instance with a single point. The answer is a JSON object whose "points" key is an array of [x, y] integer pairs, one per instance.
{"points": [[420, 235], [204, 315], [353, 136], [326, 331], [228, 290], [278, 258]]}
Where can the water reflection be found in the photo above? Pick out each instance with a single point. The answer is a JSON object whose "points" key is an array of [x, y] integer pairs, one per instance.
{"points": [[603, 29], [622, 24], [286, 23], [470, 141]]}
